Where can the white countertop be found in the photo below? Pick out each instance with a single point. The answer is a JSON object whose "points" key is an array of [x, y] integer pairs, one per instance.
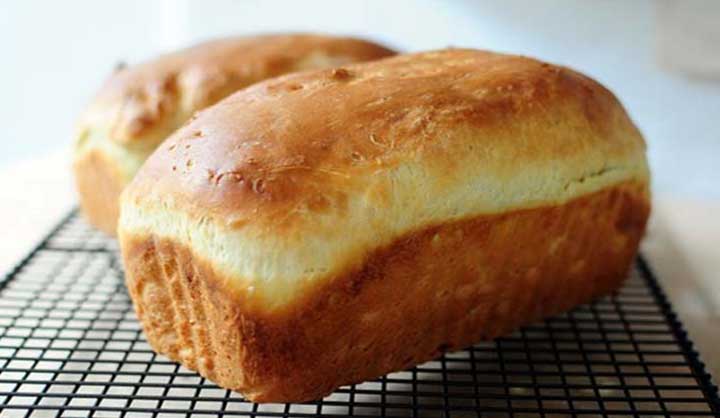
{"points": [[681, 245]]}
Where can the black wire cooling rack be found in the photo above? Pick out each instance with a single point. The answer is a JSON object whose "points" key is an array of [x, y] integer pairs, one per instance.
{"points": [[70, 346]]}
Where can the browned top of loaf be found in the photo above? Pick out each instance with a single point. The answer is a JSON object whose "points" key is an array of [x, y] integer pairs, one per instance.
{"points": [[304, 142], [139, 99]]}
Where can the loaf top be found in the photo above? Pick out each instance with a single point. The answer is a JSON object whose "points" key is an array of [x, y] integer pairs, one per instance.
{"points": [[137, 100], [299, 178], [140, 105]]}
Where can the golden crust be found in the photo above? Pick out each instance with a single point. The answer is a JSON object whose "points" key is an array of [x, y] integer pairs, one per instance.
{"points": [[296, 179], [99, 184], [137, 101], [440, 288], [139, 106], [308, 141]]}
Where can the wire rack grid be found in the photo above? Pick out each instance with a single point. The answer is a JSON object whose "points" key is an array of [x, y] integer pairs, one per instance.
{"points": [[70, 346]]}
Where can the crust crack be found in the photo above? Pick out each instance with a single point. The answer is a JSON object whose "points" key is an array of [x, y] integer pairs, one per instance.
{"points": [[605, 170]]}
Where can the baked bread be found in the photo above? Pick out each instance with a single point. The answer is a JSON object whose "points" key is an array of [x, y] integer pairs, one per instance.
{"points": [[325, 228], [140, 106]]}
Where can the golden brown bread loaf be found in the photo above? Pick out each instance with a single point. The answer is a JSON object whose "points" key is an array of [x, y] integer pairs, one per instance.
{"points": [[325, 228], [140, 106]]}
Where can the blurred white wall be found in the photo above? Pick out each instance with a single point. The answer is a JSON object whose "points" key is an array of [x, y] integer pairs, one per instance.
{"points": [[54, 54]]}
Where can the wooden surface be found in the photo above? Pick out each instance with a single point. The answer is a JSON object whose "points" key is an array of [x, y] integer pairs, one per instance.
{"points": [[682, 244]]}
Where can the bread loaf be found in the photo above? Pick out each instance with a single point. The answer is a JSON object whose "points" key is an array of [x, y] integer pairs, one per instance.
{"points": [[325, 228], [138, 107]]}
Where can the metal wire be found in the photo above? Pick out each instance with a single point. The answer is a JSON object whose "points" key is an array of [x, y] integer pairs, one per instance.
{"points": [[70, 346]]}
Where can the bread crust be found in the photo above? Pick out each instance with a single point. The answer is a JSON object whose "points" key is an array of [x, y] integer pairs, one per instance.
{"points": [[440, 288], [295, 179], [139, 106], [267, 148], [99, 183], [139, 100]]}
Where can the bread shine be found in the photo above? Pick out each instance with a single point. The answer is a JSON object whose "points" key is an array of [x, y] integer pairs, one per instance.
{"points": [[139, 106], [296, 180]]}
